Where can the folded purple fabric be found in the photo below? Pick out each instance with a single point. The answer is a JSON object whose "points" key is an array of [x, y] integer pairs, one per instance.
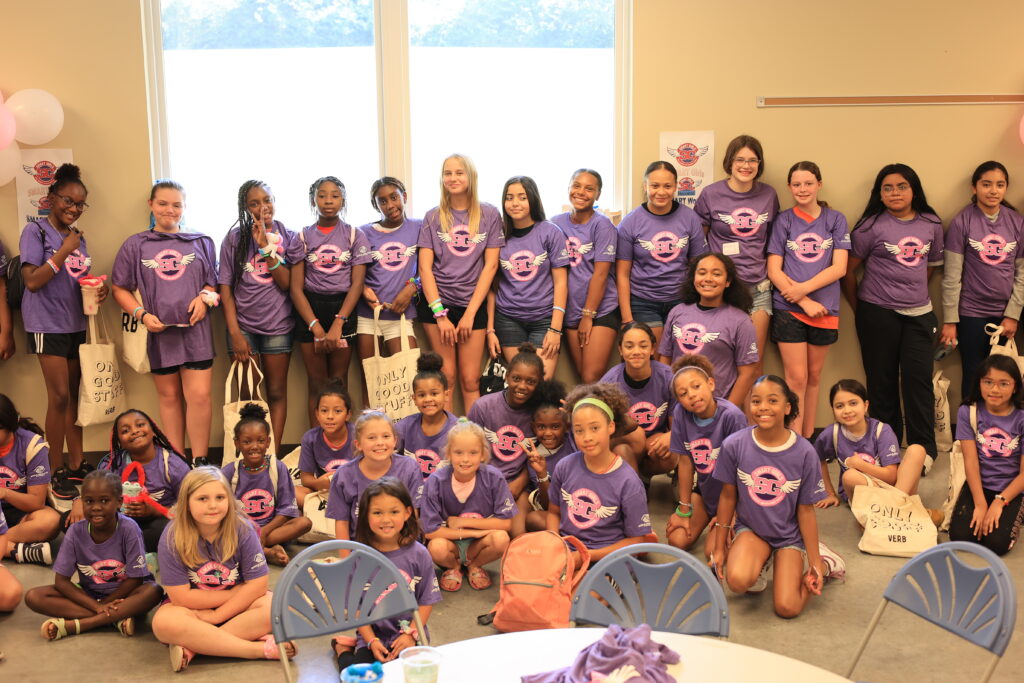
{"points": [[620, 655]]}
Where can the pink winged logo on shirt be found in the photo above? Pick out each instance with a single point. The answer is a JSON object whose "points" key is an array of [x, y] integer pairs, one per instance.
{"points": [[992, 248]]}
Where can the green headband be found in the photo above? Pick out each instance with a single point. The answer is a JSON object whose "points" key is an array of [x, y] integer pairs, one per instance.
{"points": [[590, 400]]}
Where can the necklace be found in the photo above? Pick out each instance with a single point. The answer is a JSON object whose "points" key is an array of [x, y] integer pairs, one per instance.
{"points": [[259, 468], [614, 462]]}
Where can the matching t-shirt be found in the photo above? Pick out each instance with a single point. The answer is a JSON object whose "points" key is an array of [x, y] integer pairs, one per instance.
{"points": [[349, 482], [998, 440], [490, 497], [739, 224], [585, 245], [650, 401], [103, 566], [15, 473], [659, 248], [990, 250], [428, 451], [318, 457], [261, 500], [394, 261], [214, 573], [878, 446], [164, 474], [261, 306], [897, 255], [414, 563], [724, 334], [526, 287], [701, 440], [459, 255], [329, 256], [806, 250], [56, 307], [505, 427]]}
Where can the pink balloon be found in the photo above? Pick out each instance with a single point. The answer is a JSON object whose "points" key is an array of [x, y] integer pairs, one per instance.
{"points": [[7, 126]]}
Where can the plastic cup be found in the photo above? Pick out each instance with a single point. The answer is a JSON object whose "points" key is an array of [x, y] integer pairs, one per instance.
{"points": [[420, 664], [91, 298]]}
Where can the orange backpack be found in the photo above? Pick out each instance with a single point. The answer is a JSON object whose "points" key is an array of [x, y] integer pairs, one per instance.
{"points": [[538, 577]]}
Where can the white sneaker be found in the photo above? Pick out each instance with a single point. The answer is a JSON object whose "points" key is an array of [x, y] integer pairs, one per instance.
{"points": [[835, 565], [928, 462], [761, 582]]}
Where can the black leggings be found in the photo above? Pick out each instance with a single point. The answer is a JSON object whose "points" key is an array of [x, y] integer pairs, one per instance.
{"points": [[361, 656], [151, 527], [1002, 537]]}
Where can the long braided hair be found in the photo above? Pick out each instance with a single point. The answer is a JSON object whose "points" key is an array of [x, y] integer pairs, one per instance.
{"points": [[117, 458], [245, 225]]}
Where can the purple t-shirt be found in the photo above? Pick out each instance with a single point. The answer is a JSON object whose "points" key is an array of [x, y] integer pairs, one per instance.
{"points": [[599, 509], [897, 255], [806, 250], [459, 256], [552, 458], [491, 497], [428, 451], [649, 405], [990, 249], [262, 307], [724, 334], [57, 306], [505, 427], [526, 288], [415, 564], [103, 566], [256, 491], [883, 450], [329, 257], [586, 244], [215, 573], [770, 484], [659, 247], [163, 479], [349, 482], [738, 225], [15, 475], [318, 458], [998, 440], [393, 262], [170, 270], [701, 441]]}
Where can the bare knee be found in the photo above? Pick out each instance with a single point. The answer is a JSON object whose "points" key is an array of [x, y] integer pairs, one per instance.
{"points": [[469, 381], [34, 597], [169, 623], [498, 540], [10, 595], [789, 607], [59, 397]]}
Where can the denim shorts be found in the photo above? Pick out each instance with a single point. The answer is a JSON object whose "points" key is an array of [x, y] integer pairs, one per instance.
{"points": [[268, 344], [612, 320], [761, 293], [513, 332], [654, 313], [803, 551], [787, 329]]}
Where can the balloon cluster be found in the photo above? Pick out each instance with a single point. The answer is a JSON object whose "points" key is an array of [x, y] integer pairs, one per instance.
{"points": [[32, 117]]}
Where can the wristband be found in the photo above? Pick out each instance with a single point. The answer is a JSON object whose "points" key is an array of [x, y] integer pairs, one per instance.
{"points": [[276, 265], [491, 332], [1000, 497], [724, 526], [53, 266], [558, 332], [369, 645], [211, 299], [139, 308], [435, 301], [680, 514], [342, 318], [589, 313], [437, 306], [680, 503], [558, 308], [443, 313], [545, 479], [313, 322]]}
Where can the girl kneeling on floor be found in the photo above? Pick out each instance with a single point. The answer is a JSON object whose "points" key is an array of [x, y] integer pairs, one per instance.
{"points": [[105, 549], [467, 509], [215, 574]]}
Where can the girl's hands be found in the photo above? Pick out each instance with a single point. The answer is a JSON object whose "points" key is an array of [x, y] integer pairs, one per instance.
{"points": [[1009, 327], [585, 328], [535, 460], [829, 501], [402, 642], [658, 444], [7, 345], [240, 348], [72, 241], [677, 522], [991, 520], [104, 290], [259, 231], [465, 328], [978, 520], [812, 308], [854, 463], [814, 579], [717, 562], [333, 341], [138, 509], [493, 345], [447, 330], [401, 301], [153, 323], [196, 310], [552, 342], [380, 653], [948, 335]]}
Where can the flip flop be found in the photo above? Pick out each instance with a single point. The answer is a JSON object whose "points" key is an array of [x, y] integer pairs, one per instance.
{"points": [[62, 628], [270, 648], [451, 579], [126, 627], [479, 579], [180, 658]]}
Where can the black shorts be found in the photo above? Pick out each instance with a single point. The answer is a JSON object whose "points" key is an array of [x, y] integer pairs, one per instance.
{"points": [[191, 365], [63, 344], [325, 307], [612, 320], [786, 329], [455, 313]]}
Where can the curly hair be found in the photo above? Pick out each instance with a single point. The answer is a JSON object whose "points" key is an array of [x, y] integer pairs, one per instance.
{"points": [[736, 293], [610, 394]]}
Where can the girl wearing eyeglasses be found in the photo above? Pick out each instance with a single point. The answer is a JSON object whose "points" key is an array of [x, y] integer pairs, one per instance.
{"points": [[737, 214], [53, 257], [899, 241]]}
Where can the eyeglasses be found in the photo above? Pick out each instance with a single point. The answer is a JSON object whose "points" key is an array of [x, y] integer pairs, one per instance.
{"points": [[745, 162], [901, 188], [68, 201], [991, 384]]}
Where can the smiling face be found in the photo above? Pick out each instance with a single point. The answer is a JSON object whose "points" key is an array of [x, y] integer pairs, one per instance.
{"points": [[522, 381], [804, 187], [769, 405], [549, 427], [997, 389], [252, 442], [167, 205], [390, 201], [386, 516], [209, 505], [332, 413], [636, 348], [376, 440], [517, 205], [429, 395], [260, 204], [466, 452], [695, 392], [68, 204], [134, 433], [329, 200], [660, 186], [454, 177], [100, 503], [896, 194], [745, 165], [990, 190], [710, 278], [850, 409], [592, 430], [584, 191]]}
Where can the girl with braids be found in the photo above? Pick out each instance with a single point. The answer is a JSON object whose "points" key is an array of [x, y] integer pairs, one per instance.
{"points": [[391, 281], [327, 280], [175, 273], [254, 281], [983, 274], [899, 242], [53, 257], [594, 494], [136, 438], [458, 259], [422, 436]]}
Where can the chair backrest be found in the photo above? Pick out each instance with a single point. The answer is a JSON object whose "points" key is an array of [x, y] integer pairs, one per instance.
{"points": [[314, 597], [978, 604], [681, 596]]}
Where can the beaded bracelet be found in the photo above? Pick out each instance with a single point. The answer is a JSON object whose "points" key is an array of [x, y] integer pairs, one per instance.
{"points": [[415, 282], [588, 312], [342, 318], [558, 332]]}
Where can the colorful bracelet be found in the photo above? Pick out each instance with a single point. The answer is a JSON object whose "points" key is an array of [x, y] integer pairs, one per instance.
{"points": [[558, 308], [342, 318], [437, 307], [415, 282], [590, 313], [276, 265], [680, 514], [135, 312], [53, 266], [443, 313], [312, 322]]}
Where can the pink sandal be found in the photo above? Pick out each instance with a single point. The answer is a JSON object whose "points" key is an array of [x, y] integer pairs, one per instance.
{"points": [[270, 648], [180, 658], [451, 579], [479, 579]]}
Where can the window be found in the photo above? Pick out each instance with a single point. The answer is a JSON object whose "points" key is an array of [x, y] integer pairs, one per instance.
{"points": [[291, 90]]}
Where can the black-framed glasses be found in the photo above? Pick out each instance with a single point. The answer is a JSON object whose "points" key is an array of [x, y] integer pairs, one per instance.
{"points": [[68, 201]]}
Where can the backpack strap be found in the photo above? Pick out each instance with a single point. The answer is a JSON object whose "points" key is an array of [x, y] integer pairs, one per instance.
{"points": [[878, 429], [35, 445], [973, 411], [167, 466], [835, 439], [273, 478]]}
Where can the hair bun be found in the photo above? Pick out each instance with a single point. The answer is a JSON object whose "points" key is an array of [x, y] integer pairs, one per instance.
{"points": [[67, 172], [526, 347], [429, 361], [253, 411]]}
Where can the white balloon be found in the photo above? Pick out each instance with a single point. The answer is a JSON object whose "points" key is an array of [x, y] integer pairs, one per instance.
{"points": [[10, 162], [38, 115]]}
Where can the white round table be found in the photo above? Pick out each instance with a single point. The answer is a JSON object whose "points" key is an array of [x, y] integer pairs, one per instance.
{"points": [[503, 658]]}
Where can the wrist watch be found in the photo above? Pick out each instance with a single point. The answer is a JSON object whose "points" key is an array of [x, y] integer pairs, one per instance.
{"points": [[1001, 497], [545, 479]]}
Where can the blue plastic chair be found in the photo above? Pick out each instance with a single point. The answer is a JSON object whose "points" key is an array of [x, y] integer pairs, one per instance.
{"points": [[316, 597], [681, 596], [977, 604]]}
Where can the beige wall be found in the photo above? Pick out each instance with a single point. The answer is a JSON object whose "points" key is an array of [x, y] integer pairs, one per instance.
{"points": [[90, 56], [701, 66]]}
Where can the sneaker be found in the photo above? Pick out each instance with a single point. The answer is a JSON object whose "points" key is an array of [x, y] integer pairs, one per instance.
{"points": [[64, 489], [835, 565], [201, 462], [761, 582], [928, 462], [32, 553], [78, 475]]}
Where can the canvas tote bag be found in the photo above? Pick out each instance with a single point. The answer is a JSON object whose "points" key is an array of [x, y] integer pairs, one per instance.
{"points": [[135, 342], [389, 379], [242, 387], [101, 394], [943, 431], [957, 474], [995, 333], [895, 524]]}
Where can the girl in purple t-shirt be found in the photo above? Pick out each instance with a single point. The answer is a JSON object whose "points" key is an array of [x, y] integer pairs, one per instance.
{"points": [[529, 297], [215, 574], [175, 273], [990, 427], [770, 479], [422, 436], [899, 241], [983, 271], [328, 269], [551, 445], [807, 256], [712, 321], [53, 257], [328, 446], [105, 549], [467, 509], [737, 214], [592, 309], [267, 496], [656, 240], [254, 279], [458, 259]]}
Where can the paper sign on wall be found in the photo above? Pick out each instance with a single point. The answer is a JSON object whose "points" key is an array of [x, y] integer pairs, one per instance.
{"points": [[692, 152], [33, 184]]}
